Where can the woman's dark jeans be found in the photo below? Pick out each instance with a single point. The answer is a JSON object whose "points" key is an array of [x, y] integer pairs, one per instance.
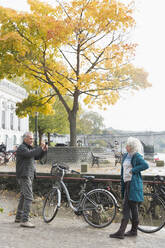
{"points": [[129, 206]]}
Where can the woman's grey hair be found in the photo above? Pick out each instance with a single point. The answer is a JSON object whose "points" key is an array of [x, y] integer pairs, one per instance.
{"points": [[27, 134], [135, 145]]}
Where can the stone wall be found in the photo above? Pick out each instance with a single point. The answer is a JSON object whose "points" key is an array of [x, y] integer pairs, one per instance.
{"points": [[43, 183], [70, 154]]}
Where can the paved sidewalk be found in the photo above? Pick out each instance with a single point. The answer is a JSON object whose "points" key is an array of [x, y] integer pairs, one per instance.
{"points": [[70, 233]]}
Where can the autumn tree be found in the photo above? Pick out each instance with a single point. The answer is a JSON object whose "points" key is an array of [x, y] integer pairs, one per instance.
{"points": [[77, 48], [90, 123]]}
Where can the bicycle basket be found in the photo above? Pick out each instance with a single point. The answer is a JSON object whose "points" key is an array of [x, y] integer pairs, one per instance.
{"points": [[57, 170]]}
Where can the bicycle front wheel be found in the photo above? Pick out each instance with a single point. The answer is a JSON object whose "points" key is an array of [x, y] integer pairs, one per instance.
{"points": [[99, 208], [151, 213], [50, 207]]}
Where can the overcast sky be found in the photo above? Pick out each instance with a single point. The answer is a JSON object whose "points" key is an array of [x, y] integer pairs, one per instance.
{"points": [[145, 109]]}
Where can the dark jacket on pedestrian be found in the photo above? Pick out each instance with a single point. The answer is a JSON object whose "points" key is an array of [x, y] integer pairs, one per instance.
{"points": [[25, 160], [136, 184]]}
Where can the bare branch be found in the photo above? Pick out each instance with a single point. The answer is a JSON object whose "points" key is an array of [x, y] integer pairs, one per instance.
{"points": [[67, 60], [93, 42], [93, 64]]}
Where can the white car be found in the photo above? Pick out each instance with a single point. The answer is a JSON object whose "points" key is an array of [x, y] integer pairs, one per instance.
{"points": [[156, 157]]}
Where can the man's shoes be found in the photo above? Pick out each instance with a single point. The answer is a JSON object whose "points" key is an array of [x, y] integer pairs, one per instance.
{"points": [[17, 220], [27, 224]]}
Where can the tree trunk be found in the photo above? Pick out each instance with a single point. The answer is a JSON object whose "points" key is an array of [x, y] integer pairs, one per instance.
{"points": [[40, 134], [71, 114], [72, 122], [48, 134]]}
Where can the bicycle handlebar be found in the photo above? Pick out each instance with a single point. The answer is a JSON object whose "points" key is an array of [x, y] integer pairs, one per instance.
{"points": [[64, 167], [158, 185], [159, 178], [76, 172]]}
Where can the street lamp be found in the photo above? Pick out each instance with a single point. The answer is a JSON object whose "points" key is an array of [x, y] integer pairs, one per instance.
{"points": [[36, 126], [36, 129]]}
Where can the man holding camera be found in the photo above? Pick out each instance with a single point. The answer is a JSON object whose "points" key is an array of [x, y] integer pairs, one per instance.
{"points": [[25, 173]]}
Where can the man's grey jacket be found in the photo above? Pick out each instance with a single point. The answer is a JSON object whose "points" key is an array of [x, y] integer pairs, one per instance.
{"points": [[25, 160]]}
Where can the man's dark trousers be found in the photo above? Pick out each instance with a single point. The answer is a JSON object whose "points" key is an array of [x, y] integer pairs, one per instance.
{"points": [[26, 198]]}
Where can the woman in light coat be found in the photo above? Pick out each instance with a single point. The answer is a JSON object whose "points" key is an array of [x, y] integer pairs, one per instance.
{"points": [[131, 186]]}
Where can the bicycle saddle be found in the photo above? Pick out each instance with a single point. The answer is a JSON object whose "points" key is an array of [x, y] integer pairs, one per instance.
{"points": [[88, 177]]}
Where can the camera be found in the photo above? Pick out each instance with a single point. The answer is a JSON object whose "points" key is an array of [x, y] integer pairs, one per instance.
{"points": [[46, 143]]}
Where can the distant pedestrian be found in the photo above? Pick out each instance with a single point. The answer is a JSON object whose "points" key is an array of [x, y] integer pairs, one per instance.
{"points": [[131, 186], [2, 147], [25, 173]]}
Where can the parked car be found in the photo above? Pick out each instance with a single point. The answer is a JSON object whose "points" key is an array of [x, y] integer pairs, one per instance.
{"points": [[156, 157], [60, 144]]}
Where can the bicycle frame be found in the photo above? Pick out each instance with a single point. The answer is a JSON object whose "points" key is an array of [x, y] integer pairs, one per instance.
{"points": [[83, 195], [62, 185], [66, 191], [69, 200]]}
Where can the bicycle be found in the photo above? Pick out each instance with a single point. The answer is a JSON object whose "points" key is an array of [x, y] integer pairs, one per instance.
{"points": [[97, 206], [6, 156], [152, 210]]}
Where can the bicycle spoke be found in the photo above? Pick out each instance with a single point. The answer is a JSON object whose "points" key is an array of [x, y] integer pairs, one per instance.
{"points": [[93, 202]]}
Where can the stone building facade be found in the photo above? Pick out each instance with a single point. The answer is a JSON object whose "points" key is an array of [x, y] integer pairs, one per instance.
{"points": [[12, 128]]}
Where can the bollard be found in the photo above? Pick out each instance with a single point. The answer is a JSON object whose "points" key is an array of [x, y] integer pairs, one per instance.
{"points": [[84, 167], [159, 163]]}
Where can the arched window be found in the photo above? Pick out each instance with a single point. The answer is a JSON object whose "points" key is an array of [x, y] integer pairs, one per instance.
{"points": [[14, 140], [6, 139], [3, 119], [11, 121]]}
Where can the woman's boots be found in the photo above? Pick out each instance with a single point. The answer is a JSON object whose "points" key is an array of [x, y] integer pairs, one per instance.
{"points": [[133, 231], [120, 233]]}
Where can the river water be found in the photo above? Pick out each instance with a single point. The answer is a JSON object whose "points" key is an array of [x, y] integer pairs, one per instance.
{"points": [[161, 156]]}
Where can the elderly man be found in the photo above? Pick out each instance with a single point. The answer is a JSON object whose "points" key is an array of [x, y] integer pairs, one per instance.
{"points": [[25, 173]]}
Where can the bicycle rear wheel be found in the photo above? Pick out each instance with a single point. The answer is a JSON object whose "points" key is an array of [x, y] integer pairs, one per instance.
{"points": [[151, 213], [50, 207], [99, 208]]}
